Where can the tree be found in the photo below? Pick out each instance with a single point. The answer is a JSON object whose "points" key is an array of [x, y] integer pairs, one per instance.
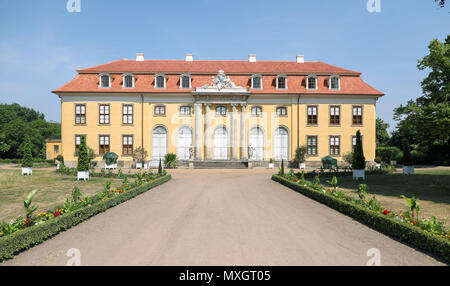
{"points": [[140, 154], [441, 3], [407, 159], [27, 161], [300, 153], [358, 160], [426, 120], [83, 157], [382, 136]]}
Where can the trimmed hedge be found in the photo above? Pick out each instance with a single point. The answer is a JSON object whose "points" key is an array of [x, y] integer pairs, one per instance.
{"points": [[28, 237], [403, 232]]}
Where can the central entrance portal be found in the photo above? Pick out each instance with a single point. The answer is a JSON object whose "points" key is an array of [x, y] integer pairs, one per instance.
{"points": [[220, 144]]}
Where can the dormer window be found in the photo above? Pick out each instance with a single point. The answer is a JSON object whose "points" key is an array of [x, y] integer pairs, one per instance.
{"points": [[256, 82], [160, 81], [311, 82], [105, 80], [281, 82], [185, 81], [334, 82], [128, 81]]}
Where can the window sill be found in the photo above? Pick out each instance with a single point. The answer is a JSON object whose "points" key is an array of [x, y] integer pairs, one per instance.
{"points": [[281, 116], [184, 115], [80, 124], [357, 125], [159, 115], [312, 125], [123, 124], [334, 125], [104, 124]]}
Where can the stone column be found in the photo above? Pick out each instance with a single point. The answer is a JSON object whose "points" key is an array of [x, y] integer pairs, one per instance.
{"points": [[207, 147], [234, 146], [243, 133], [198, 131]]}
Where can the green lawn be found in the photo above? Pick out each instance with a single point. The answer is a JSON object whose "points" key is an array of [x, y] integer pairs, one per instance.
{"points": [[432, 187], [53, 189]]}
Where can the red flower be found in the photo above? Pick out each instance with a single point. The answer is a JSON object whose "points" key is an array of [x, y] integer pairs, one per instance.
{"points": [[57, 214], [123, 185], [385, 212], [120, 192], [295, 180]]}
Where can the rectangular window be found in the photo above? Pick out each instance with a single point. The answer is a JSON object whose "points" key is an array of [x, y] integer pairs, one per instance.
{"points": [[128, 81], [256, 111], [127, 114], [335, 112], [185, 110], [335, 145], [127, 144], [103, 144], [56, 149], [357, 115], [103, 111], [80, 113], [311, 144], [160, 81], [281, 111], [312, 115], [160, 110], [185, 82], [281, 82], [311, 83], [256, 82], [334, 83]]}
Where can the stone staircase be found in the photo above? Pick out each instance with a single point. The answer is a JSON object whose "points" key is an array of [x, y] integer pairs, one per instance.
{"points": [[220, 165]]}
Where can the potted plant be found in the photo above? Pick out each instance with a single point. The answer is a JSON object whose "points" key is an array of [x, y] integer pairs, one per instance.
{"points": [[139, 155], [170, 161], [110, 159], [83, 161], [408, 167], [300, 154], [271, 165], [27, 161], [358, 160], [60, 160], [378, 162]]}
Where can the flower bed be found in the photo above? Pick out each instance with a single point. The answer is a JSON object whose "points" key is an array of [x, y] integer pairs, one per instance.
{"points": [[323, 173], [44, 225], [421, 234], [110, 174]]}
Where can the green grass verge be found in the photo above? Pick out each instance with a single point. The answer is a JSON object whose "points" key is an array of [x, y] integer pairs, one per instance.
{"points": [[28, 237], [403, 232]]}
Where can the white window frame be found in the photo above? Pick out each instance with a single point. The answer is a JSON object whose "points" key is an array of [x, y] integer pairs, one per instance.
{"points": [[123, 80], [339, 82], [260, 81], [156, 80], [185, 106], [221, 107], [286, 81], [307, 82], [181, 81], [100, 80]]}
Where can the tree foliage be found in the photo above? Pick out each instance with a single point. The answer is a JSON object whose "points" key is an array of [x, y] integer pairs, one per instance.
{"points": [[358, 160], [16, 123], [83, 157], [382, 136]]}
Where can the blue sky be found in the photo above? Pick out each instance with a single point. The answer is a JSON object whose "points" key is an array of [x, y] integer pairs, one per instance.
{"points": [[42, 44]]}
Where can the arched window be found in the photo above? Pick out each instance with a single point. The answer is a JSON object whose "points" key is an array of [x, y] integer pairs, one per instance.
{"points": [[220, 144], [159, 143], [281, 144], [105, 80], [184, 143], [160, 81], [256, 144], [128, 81]]}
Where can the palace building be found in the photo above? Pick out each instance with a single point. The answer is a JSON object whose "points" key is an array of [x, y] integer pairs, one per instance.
{"points": [[241, 113]]}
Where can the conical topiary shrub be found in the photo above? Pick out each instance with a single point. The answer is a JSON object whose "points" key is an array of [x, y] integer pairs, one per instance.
{"points": [[27, 161], [407, 159], [83, 157], [160, 169], [358, 160]]}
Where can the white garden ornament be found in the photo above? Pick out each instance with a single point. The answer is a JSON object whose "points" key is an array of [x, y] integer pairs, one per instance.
{"points": [[83, 175], [408, 170], [27, 171]]}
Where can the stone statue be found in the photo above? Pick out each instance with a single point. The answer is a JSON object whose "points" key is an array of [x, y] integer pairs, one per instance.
{"points": [[250, 151], [191, 152]]}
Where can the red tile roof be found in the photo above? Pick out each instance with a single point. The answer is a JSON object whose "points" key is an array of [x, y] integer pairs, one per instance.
{"points": [[201, 72]]}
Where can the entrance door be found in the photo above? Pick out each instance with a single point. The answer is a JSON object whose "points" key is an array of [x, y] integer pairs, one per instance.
{"points": [[256, 142], [281, 144], [220, 144], [159, 143]]}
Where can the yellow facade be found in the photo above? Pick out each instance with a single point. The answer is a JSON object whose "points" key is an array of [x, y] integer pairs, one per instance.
{"points": [[53, 149], [144, 122]]}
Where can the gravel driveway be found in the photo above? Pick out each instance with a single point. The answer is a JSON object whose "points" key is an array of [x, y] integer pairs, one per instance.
{"points": [[221, 217]]}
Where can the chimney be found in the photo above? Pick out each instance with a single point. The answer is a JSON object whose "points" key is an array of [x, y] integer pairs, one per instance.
{"points": [[189, 57], [252, 58], [139, 57], [300, 59]]}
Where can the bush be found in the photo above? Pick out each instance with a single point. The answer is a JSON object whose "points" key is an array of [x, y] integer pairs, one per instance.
{"points": [[300, 154], [387, 154], [27, 161], [83, 157], [140, 154], [110, 158], [358, 160], [170, 161], [36, 234], [60, 158], [387, 225], [348, 157]]}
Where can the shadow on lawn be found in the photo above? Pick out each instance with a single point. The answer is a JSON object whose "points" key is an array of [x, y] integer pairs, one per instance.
{"points": [[429, 187]]}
